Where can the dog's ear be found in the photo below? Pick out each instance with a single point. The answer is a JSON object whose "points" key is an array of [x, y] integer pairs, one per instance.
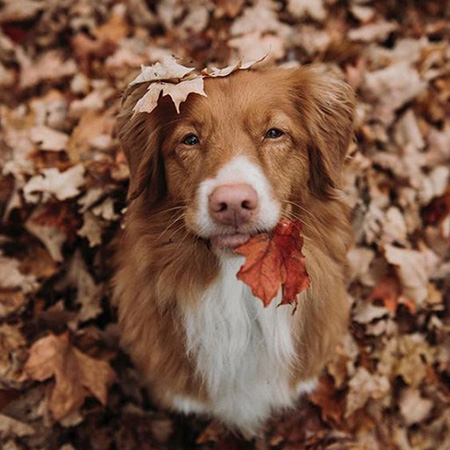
{"points": [[140, 137], [327, 110]]}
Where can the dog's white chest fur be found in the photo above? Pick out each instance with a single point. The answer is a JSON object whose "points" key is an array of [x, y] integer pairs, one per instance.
{"points": [[242, 351]]}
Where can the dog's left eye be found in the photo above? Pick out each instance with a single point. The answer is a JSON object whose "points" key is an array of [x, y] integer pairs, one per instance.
{"points": [[274, 133], [191, 139]]}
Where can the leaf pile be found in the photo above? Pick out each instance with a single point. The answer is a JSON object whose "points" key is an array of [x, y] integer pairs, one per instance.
{"points": [[63, 67], [274, 261]]}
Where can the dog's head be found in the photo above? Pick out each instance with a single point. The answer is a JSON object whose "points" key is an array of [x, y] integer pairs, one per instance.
{"points": [[259, 145]]}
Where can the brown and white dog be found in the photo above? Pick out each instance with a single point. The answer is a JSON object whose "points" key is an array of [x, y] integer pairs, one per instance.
{"points": [[262, 145]]}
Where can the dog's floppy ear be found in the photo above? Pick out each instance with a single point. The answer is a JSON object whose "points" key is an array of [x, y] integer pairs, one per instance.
{"points": [[327, 110], [140, 137]]}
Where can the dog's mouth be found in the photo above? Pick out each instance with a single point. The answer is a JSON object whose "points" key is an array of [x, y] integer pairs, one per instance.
{"points": [[229, 241]]}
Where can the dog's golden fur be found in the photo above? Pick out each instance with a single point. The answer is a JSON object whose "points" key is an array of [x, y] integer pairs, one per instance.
{"points": [[161, 262]]}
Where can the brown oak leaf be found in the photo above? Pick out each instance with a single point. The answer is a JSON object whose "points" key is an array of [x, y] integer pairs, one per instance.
{"points": [[77, 375], [275, 260]]}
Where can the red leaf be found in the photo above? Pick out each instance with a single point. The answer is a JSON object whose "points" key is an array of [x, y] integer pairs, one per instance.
{"points": [[274, 261]]}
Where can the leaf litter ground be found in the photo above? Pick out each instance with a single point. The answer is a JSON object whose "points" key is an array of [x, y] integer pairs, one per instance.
{"points": [[63, 67]]}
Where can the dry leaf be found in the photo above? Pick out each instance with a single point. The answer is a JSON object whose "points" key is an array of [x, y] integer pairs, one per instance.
{"points": [[52, 182], [413, 406], [274, 261], [12, 427], [49, 139], [313, 8], [411, 269], [77, 375], [178, 93], [391, 88], [91, 229], [167, 69], [11, 277], [373, 32], [88, 292], [364, 386]]}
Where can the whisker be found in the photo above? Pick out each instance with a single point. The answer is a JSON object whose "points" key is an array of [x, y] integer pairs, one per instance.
{"points": [[172, 223]]}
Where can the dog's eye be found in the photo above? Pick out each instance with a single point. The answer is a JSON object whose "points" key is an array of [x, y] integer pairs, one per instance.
{"points": [[274, 133], [191, 139]]}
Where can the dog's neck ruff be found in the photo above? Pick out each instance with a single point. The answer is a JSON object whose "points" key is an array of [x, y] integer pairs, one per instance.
{"points": [[241, 350]]}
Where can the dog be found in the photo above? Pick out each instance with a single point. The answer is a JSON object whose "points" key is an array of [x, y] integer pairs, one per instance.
{"points": [[262, 145]]}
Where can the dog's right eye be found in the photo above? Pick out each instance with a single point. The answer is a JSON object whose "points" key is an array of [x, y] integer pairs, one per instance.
{"points": [[191, 139]]}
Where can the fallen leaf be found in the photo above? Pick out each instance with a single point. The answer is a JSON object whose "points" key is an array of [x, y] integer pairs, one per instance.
{"points": [[373, 32], [12, 355], [12, 278], [49, 139], [51, 182], [328, 399], [364, 386], [256, 47], [411, 269], [76, 374], [312, 8], [275, 260], [88, 292], [388, 292], [49, 67], [12, 427], [366, 312], [389, 89], [413, 406], [92, 229]]}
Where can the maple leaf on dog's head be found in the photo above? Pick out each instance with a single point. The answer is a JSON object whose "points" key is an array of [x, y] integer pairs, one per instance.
{"points": [[167, 69], [274, 261], [177, 92]]}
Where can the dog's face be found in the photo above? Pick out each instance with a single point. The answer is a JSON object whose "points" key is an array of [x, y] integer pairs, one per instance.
{"points": [[238, 159]]}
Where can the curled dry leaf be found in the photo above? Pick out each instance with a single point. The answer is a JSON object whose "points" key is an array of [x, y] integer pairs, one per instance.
{"points": [[52, 182], [178, 93], [77, 375], [411, 268], [167, 69], [170, 78], [275, 260]]}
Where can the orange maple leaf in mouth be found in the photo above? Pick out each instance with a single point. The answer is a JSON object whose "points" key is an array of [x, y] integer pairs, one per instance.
{"points": [[275, 260]]}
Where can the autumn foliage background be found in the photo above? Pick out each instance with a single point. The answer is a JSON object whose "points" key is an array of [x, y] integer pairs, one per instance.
{"points": [[63, 178]]}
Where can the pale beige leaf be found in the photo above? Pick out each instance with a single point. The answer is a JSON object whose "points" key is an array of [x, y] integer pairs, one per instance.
{"points": [[225, 71], [49, 139], [12, 427], [359, 260], [11, 277], [177, 91], [413, 407], [312, 8], [91, 229], [365, 312], [258, 48], [411, 269], [167, 69], [391, 88], [51, 182], [373, 32], [364, 386]]}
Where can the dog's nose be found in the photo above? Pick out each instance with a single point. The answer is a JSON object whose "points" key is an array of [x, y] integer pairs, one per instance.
{"points": [[233, 204]]}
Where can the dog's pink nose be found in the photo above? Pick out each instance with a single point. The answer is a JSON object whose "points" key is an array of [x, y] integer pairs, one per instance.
{"points": [[233, 204]]}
